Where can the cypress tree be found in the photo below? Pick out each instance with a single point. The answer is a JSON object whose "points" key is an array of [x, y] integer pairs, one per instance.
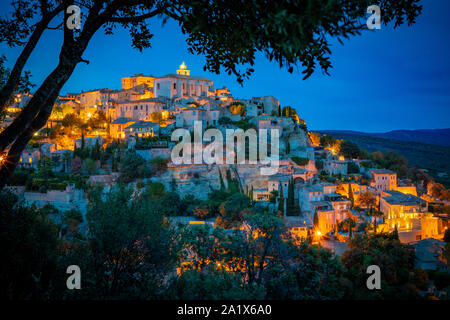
{"points": [[281, 201], [350, 194], [290, 205], [222, 185], [395, 233], [82, 139]]}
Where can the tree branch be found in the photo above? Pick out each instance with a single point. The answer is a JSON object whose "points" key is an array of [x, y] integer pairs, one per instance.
{"points": [[137, 18]]}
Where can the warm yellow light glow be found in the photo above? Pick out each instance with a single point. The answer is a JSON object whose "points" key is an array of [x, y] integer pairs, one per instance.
{"points": [[35, 134], [89, 115], [319, 233]]}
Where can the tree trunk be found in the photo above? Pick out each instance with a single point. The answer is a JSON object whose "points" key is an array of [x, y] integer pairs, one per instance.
{"points": [[33, 117], [14, 77]]}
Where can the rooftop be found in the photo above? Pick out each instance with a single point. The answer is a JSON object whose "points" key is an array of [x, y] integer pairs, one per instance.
{"points": [[279, 177], [122, 120], [382, 171], [142, 124], [173, 75], [398, 198]]}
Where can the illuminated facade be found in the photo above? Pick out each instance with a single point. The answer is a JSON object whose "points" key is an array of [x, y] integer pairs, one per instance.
{"points": [[141, 129], [383, 179], [139, 109], [117, 127], [182, 84], [137, 80]]}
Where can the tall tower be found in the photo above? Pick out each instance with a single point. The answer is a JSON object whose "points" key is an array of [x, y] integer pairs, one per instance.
{"points": [[183, 70]]}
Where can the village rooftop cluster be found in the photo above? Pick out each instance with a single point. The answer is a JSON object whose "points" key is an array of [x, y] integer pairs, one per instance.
{"points": [[320, 193]]}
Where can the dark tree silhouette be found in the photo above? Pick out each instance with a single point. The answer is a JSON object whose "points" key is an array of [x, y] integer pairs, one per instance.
{"points": [[294, 34]]}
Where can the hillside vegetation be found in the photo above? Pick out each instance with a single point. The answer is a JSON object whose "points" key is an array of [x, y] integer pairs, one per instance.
{"points": [[433, 158]]}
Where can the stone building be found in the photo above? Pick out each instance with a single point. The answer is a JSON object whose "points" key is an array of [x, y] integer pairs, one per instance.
{"points": [[383, 179]]}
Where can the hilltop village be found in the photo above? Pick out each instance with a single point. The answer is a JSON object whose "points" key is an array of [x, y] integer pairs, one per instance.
{"points": [[324, 190]]}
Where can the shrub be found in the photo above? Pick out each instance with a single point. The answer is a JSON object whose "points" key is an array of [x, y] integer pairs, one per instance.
{"points": [[201, 212], [57, 186], [140, 184], [19, 178], [159, 164], [300, 161], [225, 120], [73, 214]]}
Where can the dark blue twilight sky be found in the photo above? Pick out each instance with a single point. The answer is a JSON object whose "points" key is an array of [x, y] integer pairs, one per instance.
{"points": [[383, 80]]}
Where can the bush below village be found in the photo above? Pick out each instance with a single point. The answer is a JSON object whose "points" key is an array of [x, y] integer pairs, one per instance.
{"points": [[133, 250]]}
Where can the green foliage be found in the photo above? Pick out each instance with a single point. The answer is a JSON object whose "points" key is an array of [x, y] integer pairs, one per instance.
{"points": [[151, 142], [281, 206], [29, 252], [313, 273], [327, 141], [202, 212], [133, 166], [24, 83], [441, 279], [319, 165], [280, 39], [231, 211], [237, 108], [392, 161], [232, 183], [19, 177], [289, 112], [131, 249], [292, 207], [244, 124], [159, 164], [352, 167], [44, 168], [447, 236], [212, 285], [421, 155], [71, 120], [225, 120], [73, 214], [396, 261], [273, 196], [90, 166], [300, 161], [350, 150], [222, 184], [350, 194]]}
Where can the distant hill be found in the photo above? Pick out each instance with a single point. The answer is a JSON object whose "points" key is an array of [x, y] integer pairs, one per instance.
{"points": [[434, 158], [439, 137]]}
